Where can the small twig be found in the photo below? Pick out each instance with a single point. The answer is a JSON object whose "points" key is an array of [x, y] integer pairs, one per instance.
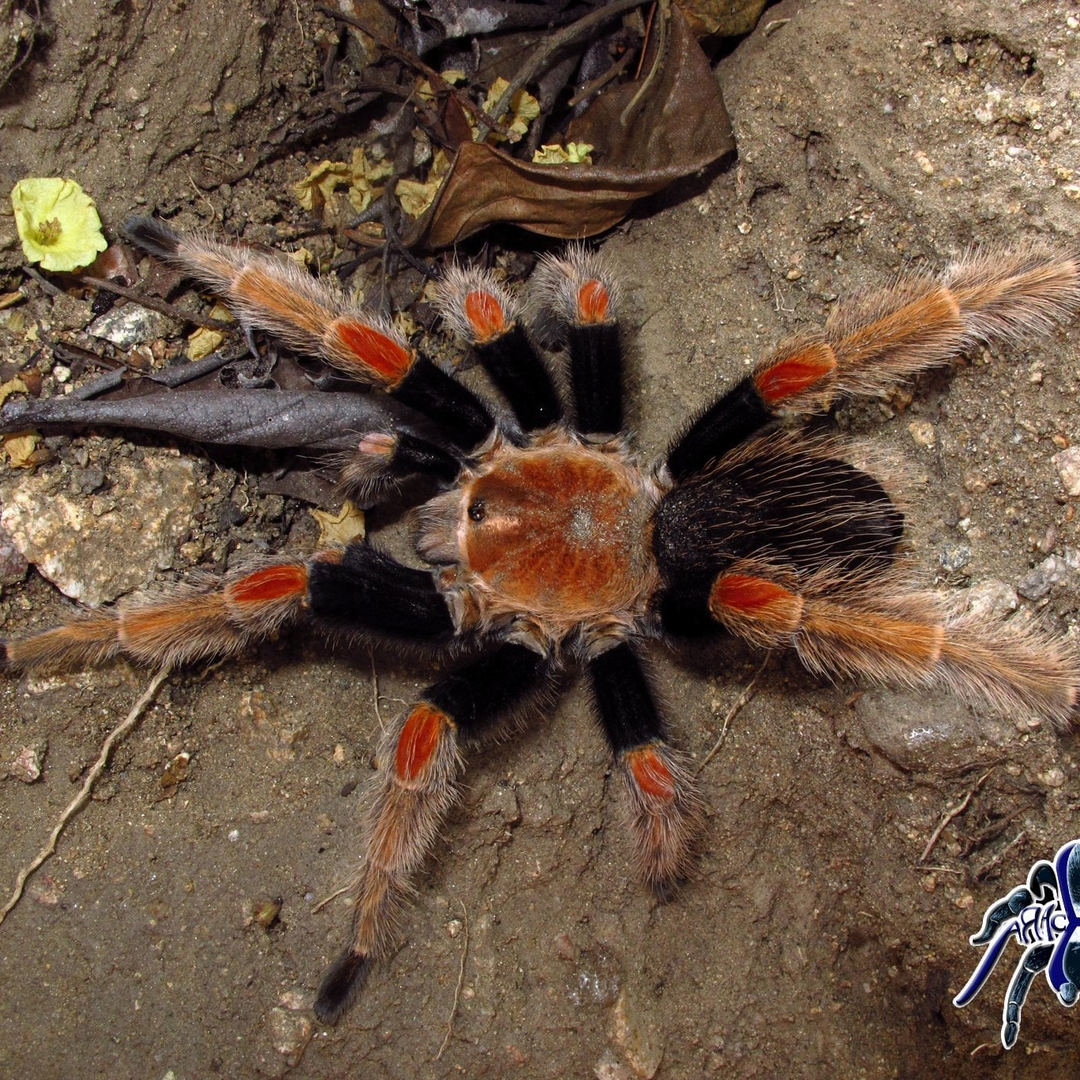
{"points": [[28, 40], [664, 11], [551, 45], [434, 77], [179, 374], [76, 804], [773, 25], [949, 815], [200, 194], [742, 700], [460, 981], [1001, 856], [333, 896], [393, 240], [601, 81], [645, 41], [375, 690], [43, 281], [154, 304]]}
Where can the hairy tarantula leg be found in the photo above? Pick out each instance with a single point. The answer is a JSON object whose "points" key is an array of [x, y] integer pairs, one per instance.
{"points": [[383, 459], [365, 589], [666, 813], [577, 296], [853, 628], [190, 622], [418, 768], [357, 587], [872, 342], [314, 317], [483, 313]]}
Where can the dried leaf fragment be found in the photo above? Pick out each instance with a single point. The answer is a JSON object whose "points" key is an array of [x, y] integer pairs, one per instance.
{"points": [[203, 341], [571, 154], [342, 527], [21, 449], [646, 134], [524, 108], [314, 191]]}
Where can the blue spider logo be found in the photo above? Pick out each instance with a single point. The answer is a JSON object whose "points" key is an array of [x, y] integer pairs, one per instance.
{"points": [[1044, 917]]}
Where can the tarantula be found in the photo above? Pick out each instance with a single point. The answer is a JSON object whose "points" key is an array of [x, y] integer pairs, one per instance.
{"points": [[553, 544]]}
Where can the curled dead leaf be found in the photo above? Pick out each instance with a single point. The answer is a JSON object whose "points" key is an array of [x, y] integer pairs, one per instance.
{"points": [[722, 18], [22, 449], [342, 527], [647, 134]]}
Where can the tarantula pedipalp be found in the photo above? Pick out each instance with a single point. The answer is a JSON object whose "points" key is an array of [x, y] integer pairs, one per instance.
{"points": [[551, 543]]}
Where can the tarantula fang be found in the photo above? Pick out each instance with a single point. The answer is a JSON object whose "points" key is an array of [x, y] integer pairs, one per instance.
{"points": [[551, 543]]}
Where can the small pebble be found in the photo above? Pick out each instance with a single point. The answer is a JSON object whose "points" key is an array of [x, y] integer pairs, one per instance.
{"points": [[954, 556], [1053, 570], [1067, 463], [922, 433]]}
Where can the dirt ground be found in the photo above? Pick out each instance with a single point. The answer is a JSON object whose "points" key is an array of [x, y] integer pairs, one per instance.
{"points": [[873, 137]]}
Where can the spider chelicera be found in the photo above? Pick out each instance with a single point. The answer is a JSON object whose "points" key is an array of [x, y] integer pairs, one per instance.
{"points": [[553, 544]]}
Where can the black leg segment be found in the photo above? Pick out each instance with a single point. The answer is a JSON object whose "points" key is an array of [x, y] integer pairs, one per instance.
{"points": [[624, 701], [684, 609], [463, 417], [596, 365], [413, 455], [720, 428], [419, 764], [368, 590], [489, 688], [665, 812], [522, 378]]}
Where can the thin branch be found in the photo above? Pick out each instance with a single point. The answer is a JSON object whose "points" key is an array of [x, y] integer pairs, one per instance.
{"points": [[375, 690], [1001, 856], [43, 281], [552, 44], [333, 896], [740, 702], [663, 9], [460, 982], [438, 83], [950, 815], [76, 804], [154, 304], [602, 80]]}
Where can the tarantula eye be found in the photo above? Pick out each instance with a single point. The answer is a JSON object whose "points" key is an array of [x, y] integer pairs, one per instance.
{"points": [[477, 511]]}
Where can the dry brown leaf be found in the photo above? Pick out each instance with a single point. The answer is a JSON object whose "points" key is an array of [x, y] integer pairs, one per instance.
{"points": [[342, 527], [722, 18], [678, 126], [21, 448]]}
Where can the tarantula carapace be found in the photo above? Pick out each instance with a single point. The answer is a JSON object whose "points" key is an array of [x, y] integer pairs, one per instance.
{"points": [[551, 543]]}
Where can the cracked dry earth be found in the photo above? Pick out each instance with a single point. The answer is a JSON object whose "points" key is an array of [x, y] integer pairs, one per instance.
{"points": [[872, 137]]}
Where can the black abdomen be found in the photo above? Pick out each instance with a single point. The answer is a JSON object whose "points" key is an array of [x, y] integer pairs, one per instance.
{"points": [[777, 499]]}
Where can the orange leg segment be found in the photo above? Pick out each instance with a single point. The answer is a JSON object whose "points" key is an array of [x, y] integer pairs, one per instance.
{"points": [[419, 763], [853, 628]]}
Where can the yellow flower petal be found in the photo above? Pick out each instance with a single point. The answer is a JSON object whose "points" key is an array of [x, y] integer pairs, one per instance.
{"points": [[57, 223]]}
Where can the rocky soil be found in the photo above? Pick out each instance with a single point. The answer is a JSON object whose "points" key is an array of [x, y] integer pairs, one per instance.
{"points": [[873, 138]]}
